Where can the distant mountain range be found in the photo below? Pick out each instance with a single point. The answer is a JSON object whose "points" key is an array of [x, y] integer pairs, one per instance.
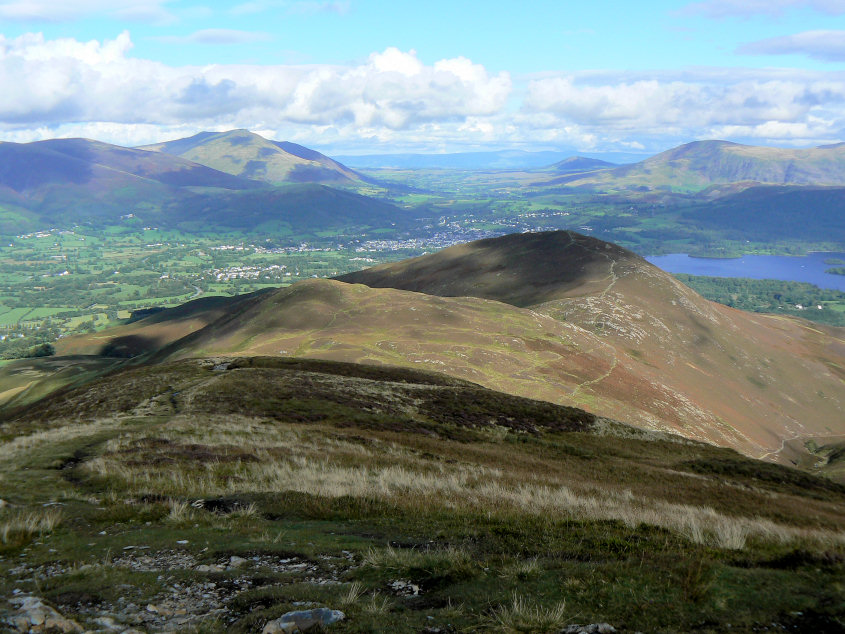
{"points": [[67, 181], [557, 316], [238, 179]]}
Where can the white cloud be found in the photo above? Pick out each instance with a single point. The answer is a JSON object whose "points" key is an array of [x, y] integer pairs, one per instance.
{"points": [[746, 8], [65, 87], [52, 11], [54, 83], [824, 45], [775, 105]]}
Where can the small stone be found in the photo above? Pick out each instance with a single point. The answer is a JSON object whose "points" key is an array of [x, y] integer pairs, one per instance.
{"points": [[592, 628], [237, 562], [3, 504], [209, 568], [303, 621], [34, 613], [181, 541], [107, 622], [152, 608]]}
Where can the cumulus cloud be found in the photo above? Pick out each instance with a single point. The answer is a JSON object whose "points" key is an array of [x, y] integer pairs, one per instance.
{"points": [[64, 81], [65, 87], [775, 105], [828, 46], [746, 8], [51, 11]]}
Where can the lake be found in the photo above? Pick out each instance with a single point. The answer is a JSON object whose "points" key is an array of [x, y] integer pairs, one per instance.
{"points": [[810, 268]]}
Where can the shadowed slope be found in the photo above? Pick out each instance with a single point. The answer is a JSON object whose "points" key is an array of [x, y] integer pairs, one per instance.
{"points": [[153, 332], [520, 269], [64, 181]]}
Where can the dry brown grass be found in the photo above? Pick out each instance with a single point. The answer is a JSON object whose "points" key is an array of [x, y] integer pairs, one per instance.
{"points": [[521, 615], [17, 526], [320, 462]]}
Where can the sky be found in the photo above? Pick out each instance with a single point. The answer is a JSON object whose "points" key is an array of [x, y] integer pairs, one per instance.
{"points": [[372, 76]]}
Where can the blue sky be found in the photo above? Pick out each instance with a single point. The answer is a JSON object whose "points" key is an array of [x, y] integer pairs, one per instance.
{"points": [[357, 76]]}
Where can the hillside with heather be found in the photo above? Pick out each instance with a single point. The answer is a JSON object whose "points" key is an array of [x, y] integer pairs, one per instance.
{"points": [[557, 316]]}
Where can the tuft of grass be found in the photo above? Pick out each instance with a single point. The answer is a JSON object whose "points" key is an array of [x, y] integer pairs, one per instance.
{"points": [[378, 604], [18, 527], [697, 579], [352, 595], [428, 567], [524, 616], [522, 570], [244, 511], [180, 512]]}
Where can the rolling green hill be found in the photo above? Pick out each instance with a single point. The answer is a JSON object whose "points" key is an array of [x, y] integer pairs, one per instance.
{"points": [[64, 181], [772, 213]]}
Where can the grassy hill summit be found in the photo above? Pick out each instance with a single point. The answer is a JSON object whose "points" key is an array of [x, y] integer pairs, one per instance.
{"points": [[248, 155], [695, 166], [219, 494], [575, 164]]}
